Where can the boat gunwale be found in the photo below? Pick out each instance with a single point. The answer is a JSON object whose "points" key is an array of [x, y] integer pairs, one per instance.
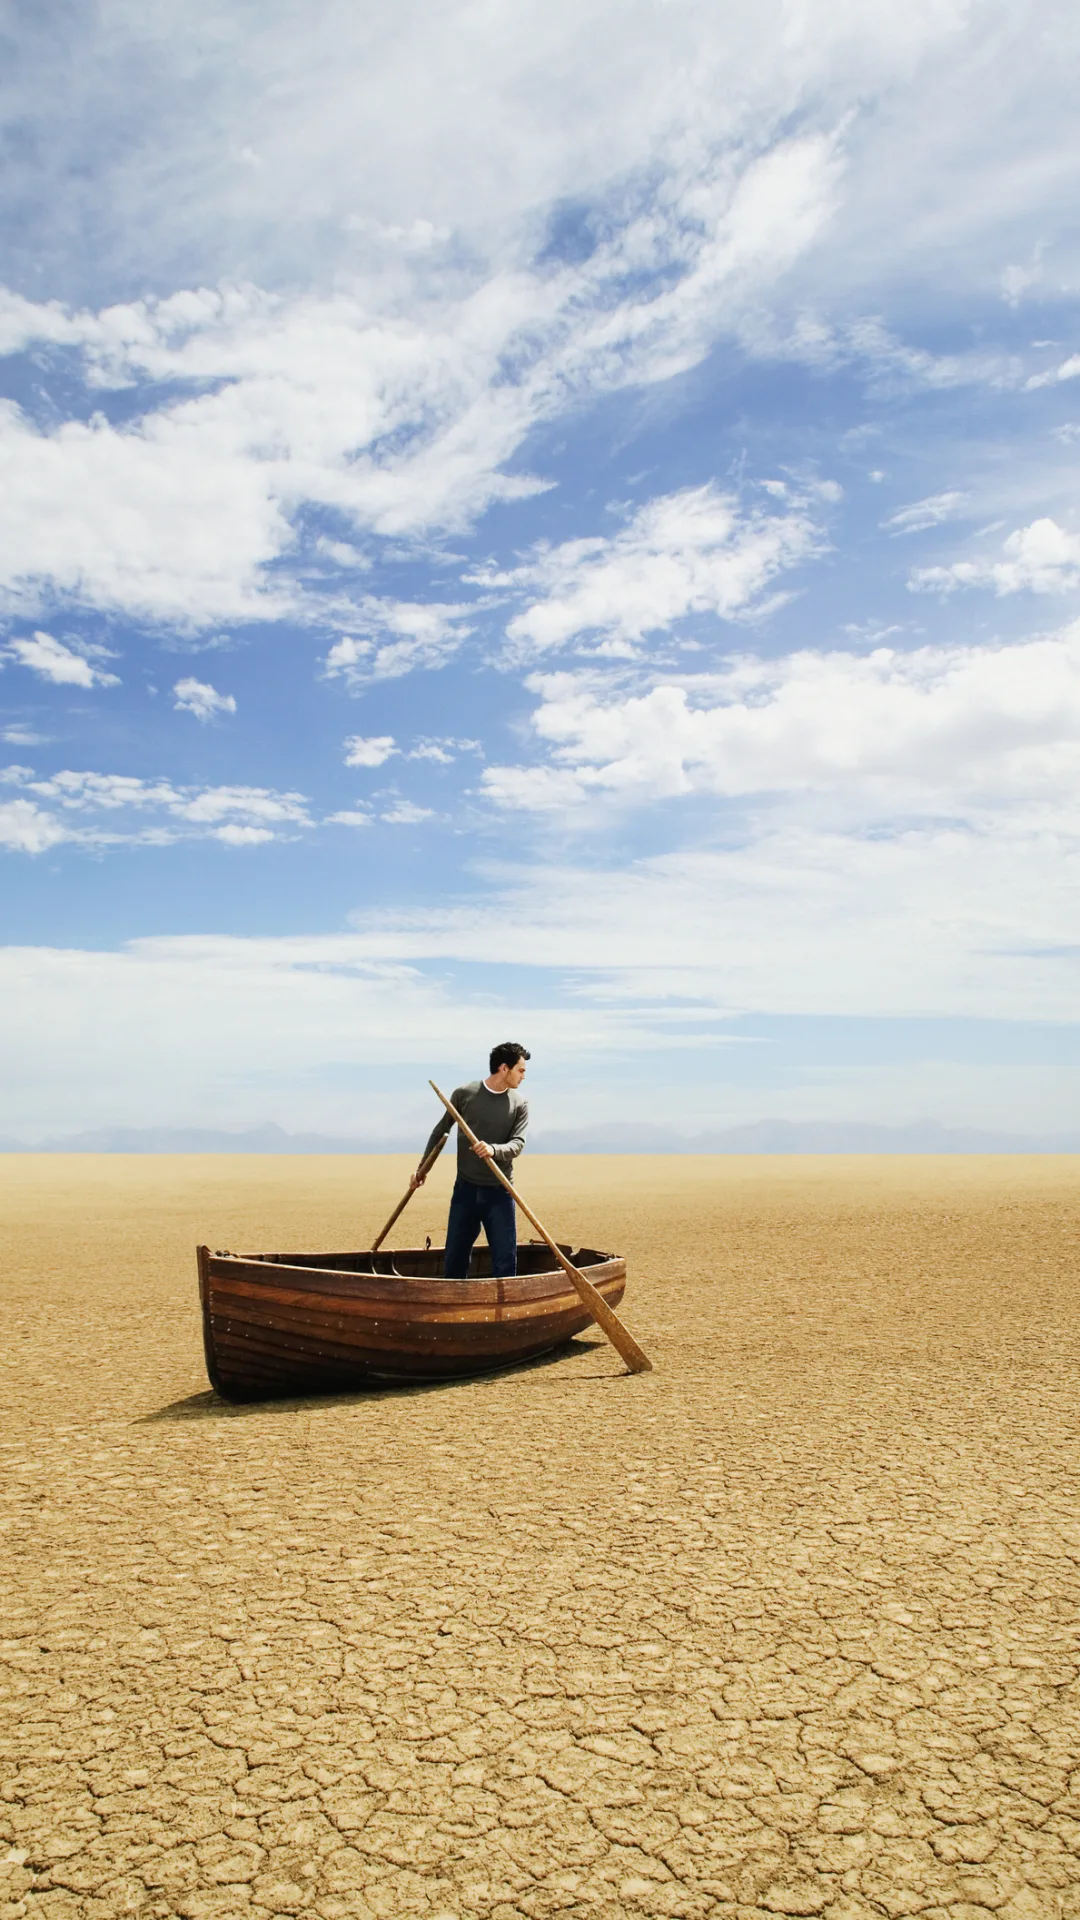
{"points": [[487, 1290]]}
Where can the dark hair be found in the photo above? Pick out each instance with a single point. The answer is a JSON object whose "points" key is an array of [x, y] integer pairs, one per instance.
{"points": [[507, 1055]]}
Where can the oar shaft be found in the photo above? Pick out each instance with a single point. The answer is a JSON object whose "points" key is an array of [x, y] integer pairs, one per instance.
{"points": [[621, 1339], [424, 1168]]}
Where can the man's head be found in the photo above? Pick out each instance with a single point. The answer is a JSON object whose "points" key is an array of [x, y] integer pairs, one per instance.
{"points": [[508, 1064]]}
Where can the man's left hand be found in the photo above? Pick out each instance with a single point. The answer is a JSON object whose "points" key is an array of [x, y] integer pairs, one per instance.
{"points": [[483, 1151]]}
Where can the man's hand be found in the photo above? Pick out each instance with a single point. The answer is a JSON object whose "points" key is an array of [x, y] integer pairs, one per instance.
{"points": [[483, 1151], [416, 1180]]}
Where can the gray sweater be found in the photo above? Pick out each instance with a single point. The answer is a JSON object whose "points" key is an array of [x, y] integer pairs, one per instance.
{"points": [[498, 1118]]}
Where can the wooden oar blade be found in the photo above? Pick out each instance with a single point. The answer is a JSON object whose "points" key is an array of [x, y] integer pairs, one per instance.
{"points": [[621, 1338]]}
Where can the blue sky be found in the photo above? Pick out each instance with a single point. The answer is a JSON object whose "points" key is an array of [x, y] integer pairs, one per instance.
{"points": [[552, 520]]}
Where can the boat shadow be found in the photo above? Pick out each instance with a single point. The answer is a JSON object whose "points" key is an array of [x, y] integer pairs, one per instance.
{"points": [[209, 1405]]}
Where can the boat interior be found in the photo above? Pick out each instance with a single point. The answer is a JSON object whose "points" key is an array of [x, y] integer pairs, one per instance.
{"points": [[426, 1263]]}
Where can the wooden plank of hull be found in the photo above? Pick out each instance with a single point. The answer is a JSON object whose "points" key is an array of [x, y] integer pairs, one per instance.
{"points": [[257, 1375], [357, 1339], [272, 1328], [283, 1330], [360, 1347], [240, 1360], [326, 1309]]}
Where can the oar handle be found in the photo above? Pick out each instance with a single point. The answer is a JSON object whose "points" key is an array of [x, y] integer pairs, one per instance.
{"points": [[622, 1340], [424, 1168]]}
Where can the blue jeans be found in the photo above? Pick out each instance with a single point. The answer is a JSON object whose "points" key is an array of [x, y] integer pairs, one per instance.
{"points": [[473, 1207]]}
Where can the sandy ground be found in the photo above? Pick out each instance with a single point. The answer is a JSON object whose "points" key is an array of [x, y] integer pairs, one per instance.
{"points": [[789, 1626]]}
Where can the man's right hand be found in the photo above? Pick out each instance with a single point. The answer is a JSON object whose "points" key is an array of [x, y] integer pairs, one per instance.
{"points": [[416, 1180]]}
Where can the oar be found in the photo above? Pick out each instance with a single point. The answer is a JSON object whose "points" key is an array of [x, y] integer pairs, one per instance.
{"points": [[623, 1342], [424, 1168]]}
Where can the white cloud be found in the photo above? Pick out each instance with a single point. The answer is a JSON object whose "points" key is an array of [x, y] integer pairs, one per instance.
{"points": [[1068, 370], [1040, 558], [894, 365], [51, 660], [252, 804], [77, 792], [372, 751], [930, 512], [234, 836], [343, 555], [26, 828], [201, 699], [941, 730], [1018, 280], [696, 551], [167, 519], [402, 636], [376, 749], [404, 813], [444, 751], [101, 809], [21, 736]]}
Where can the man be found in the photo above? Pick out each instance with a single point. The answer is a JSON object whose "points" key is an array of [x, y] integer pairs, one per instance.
{"points": [[498, 1115]]}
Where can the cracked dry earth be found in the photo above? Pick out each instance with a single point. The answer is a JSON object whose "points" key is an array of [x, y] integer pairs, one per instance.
{"points": [[788, 1626]]}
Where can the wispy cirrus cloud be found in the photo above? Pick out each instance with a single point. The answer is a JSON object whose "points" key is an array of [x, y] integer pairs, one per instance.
{"points": [[931, 512]]}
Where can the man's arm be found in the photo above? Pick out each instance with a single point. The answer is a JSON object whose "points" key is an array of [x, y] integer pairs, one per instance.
{"points": [[438, 1132], [505, 1155]]}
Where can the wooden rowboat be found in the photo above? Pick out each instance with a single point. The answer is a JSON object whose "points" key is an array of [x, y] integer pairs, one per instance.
{"points": [[297, 1323]]}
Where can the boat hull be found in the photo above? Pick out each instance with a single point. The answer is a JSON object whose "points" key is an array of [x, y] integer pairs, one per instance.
{"points": [[280, 1324]]}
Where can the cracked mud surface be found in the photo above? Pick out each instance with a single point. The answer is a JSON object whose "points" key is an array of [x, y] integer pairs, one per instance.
{"points": [[789, 1626]]}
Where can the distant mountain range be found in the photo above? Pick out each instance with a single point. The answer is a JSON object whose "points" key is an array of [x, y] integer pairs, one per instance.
{"points": [[760, 1136]]}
